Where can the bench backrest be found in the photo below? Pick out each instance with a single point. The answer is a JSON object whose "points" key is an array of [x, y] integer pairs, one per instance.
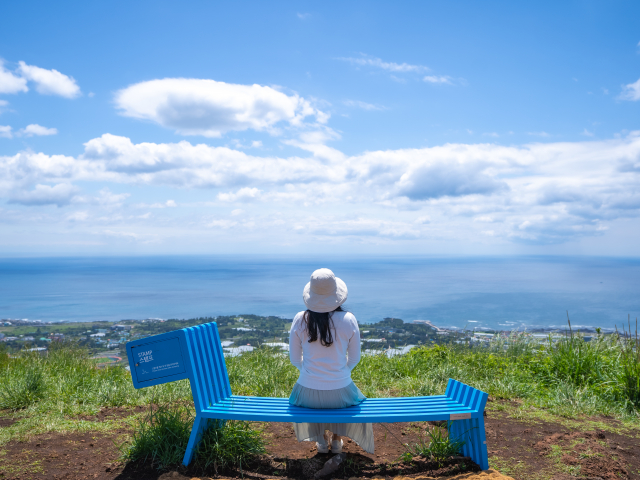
{"points": [[468, 396], [210, 381], [194, 353]]}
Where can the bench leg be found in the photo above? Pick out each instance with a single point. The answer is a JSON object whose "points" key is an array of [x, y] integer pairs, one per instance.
{"points": [[196, 433], [473, 433]]}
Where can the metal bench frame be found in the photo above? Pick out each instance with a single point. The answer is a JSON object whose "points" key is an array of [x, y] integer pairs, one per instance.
{"points": [[195, 353]]}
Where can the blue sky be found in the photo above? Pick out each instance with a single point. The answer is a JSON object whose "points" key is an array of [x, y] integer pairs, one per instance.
{"points": [[277, 127]]}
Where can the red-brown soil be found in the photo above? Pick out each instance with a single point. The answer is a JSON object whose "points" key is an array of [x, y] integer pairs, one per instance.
{"points": [[95, 456]]}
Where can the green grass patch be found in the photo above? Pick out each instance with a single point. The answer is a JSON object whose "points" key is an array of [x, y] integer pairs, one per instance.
{"points": [[161, 438], [436, 445]]}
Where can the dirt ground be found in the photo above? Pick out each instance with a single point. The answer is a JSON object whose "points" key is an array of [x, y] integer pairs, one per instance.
{"points": [[522, 450]]}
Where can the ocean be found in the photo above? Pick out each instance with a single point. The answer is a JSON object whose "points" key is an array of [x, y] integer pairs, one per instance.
{"points": [[505, 293]]}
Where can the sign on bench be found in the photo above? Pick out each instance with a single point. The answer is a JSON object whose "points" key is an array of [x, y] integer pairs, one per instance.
{"points": [[158, 359]]}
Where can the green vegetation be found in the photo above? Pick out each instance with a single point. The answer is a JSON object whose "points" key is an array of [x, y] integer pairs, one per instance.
{"points": [[436, 446], [161, 438], [569, 378], [631, 366]]}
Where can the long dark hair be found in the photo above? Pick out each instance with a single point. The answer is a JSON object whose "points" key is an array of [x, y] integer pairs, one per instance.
{"points": [[321, 322]]}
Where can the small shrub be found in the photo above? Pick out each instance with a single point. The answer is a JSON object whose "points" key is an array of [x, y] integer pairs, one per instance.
{"points": [[21, 389], [161, 439], [439, 447], [630, 359], [229, 444], [580, 362]]}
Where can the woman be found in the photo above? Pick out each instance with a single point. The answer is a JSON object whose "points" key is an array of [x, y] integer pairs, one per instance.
{"points": [[324, 346]]}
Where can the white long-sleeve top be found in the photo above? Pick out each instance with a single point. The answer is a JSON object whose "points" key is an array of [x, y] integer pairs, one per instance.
{"points": [[325, 368]]}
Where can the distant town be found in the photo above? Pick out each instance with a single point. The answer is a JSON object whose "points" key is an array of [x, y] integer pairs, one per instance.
{"points": [[238, 334]]}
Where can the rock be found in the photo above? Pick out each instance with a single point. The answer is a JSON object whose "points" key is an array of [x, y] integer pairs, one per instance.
{"points": [[331, 466]]}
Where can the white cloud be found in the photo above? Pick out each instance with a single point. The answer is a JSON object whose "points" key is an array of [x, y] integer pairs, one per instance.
{"points": [[35, 129], [369, 61], [254, 144], [105, 198], [535, 193], [10, 83], [5, 131], [303, 16], [362, 105], [60, 195], [167, 204], [245, 194], [50, 82], [435, 180], [437, 79], [631, 91], [587, 133], [539, 134], [210, 108], [78, 216]]}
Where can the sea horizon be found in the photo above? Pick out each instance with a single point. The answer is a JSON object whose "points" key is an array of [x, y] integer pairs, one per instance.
{"points": [[527, 292]]}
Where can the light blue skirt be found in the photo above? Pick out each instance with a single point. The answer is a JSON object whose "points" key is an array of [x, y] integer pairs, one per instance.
{"points": [[361, 433]]}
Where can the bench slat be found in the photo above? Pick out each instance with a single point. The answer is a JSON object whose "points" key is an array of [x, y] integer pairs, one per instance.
{"points": [[347, 411], [335, 418], [221, 367], [398, 401]]}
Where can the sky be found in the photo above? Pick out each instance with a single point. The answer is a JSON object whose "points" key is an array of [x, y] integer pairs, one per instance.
{"points": [[421, 128]]}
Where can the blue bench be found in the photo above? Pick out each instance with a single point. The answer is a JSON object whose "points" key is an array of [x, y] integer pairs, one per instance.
{"points": [[195, 353]]}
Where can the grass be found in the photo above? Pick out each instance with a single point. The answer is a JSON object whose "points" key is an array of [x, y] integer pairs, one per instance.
{"points": [[161, 437], [570, 379], [630, 347], [437, 446]]}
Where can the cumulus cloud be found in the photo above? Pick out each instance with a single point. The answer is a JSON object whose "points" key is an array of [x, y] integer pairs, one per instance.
{"points": [[368, 61], [50, 82], [60, 195], [29, 131], [210, 108], [441, 179], [631, 91], [167, 204], [245, 194], [35, 129], [10, 83], [539, 192]]}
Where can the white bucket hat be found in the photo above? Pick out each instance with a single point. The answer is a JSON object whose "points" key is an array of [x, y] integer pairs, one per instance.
{"points": [[325, 292]]}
